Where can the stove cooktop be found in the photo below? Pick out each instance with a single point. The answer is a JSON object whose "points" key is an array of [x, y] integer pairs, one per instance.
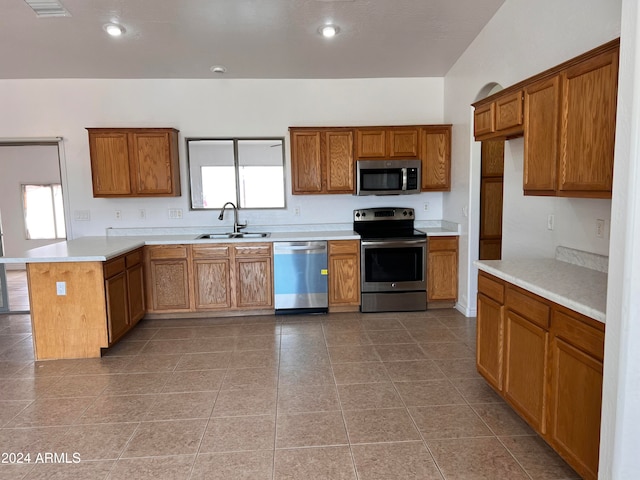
{"points": [[384, 223]]}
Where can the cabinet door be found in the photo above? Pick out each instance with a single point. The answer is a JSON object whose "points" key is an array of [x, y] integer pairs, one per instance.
{"points": [[442, 269], [344, 273], [306, 162], [576, 404], [254, 283], [484, 120], [588, 126], [117, 314], [371, 143], [135, 287], [169, 284], [339, 161], [436, 159], [491, 208], [110, 172], [212, 284], [509, 111], [542, 104], [489, 340], [526, 353], [403, 142], [151, 163]]}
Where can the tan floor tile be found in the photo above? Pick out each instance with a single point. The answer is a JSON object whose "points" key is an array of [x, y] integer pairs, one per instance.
{"points": [[204, 361], [448, 350], [245, 402], [254, 359], [328, 463], [258, 342], [13, 471], [136, 383], [400, 352], [312, 327], [218, 331], [153, 468], [353, 353], [381, 321], [178, 333], [10, 409], [388, 337], [430, 392], [26, 388], [97, 442], [95, 470], [233, 434], [337, 337], [48, 368], [466, 458], [256, 465], [476, 390], [365, 372], [311, 357], [51, 411], [266, 327], [78, 386], [502, 420], [458, 367], [194, 381], [433, 335], [382, 425], [364, 396], [448, 421], [126, 349], [174, 406], [413, 371], [299, 341], [31, 440], [102, 366], [310, 429], [250, 378], [538, 459], [307, 398], [424, 322], [306, 375], [397, 461], [118, 409], [181, 437], [153, 363], [9, 369]]}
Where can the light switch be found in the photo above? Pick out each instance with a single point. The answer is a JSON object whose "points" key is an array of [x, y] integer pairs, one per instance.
{"points": [[61, 288]]}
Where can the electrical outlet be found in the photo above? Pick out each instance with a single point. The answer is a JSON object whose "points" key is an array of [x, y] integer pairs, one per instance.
{"points": [[296, 211], [551, 222], [118, 215], [426, 206], [175, 213], [599, 228], [142, 214], [61, 288]]}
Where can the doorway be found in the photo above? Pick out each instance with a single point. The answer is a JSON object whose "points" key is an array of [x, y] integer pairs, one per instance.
{"points": [[33, 210], [491, 186]]}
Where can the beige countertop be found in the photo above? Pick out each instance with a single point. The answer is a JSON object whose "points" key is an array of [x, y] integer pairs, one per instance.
{"points": [[576, 287]]}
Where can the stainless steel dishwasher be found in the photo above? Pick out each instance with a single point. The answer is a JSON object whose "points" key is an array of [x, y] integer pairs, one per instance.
{"points": [[300, 277]]}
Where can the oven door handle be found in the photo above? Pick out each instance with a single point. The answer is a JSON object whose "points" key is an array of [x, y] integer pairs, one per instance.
{"points": [[393, 243]]}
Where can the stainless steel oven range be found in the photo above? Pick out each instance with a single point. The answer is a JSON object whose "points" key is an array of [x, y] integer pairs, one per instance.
{"points": [[393, 260]]}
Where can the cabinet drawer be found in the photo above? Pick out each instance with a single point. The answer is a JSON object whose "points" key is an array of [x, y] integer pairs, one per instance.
{"points": [[529, 306], [491, 287], [571, 327], [114, 267], [133, 258], [438, 244], [178, 251], [252, 250], [207, 251], [337, 247]]}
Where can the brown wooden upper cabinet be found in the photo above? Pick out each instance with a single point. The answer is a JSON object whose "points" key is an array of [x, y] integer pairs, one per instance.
{"points": [[569, 118], [387, 142], [500, 118], [134, 162], [435, 152], [322, 160]]}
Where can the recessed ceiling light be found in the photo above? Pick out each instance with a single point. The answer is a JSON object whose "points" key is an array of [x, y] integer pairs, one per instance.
{"points": [[219, 69], [114, 29], [329, 31]]}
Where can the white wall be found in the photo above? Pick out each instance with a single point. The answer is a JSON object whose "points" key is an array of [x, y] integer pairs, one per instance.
{"points": [[213, 108], [522, 39], [24, 164]]}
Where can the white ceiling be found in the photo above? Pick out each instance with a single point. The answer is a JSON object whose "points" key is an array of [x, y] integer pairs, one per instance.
{"points": [[252, 38]]}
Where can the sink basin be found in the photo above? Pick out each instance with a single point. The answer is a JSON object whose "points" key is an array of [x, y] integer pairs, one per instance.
{"points": [[218, 236]]}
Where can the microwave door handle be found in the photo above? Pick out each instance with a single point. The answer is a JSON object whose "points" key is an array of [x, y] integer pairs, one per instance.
{"points": [[404, 178]]}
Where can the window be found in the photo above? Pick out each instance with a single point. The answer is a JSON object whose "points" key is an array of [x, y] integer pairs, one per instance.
{"points": [[43, 212], [248, 172]]}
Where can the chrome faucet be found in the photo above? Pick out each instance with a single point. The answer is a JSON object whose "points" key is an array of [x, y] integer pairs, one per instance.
{"points": [[236, 226]]}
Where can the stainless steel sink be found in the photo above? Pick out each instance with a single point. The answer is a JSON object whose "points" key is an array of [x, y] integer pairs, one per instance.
{"points": [[218, 236]]}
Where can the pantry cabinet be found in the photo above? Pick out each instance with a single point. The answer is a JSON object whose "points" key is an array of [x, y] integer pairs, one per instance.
{"points": [[568, 121], [134, 162], [442, 271], [546, 361], [344, 275], [322, 161]]}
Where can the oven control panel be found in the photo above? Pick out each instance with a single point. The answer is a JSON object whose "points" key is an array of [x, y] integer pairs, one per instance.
{"points": [[380, 214]]}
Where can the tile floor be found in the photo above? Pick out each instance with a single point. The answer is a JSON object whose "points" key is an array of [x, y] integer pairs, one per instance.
{"points": [[341, 396]]}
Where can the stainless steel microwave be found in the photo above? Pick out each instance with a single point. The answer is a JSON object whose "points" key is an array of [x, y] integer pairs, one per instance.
{"points": [[387, 177]]}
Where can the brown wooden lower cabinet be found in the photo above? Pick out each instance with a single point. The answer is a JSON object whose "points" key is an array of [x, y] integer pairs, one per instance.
{"points": [[344, 274], [442, 271], [546, 362], [168, 278]]}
